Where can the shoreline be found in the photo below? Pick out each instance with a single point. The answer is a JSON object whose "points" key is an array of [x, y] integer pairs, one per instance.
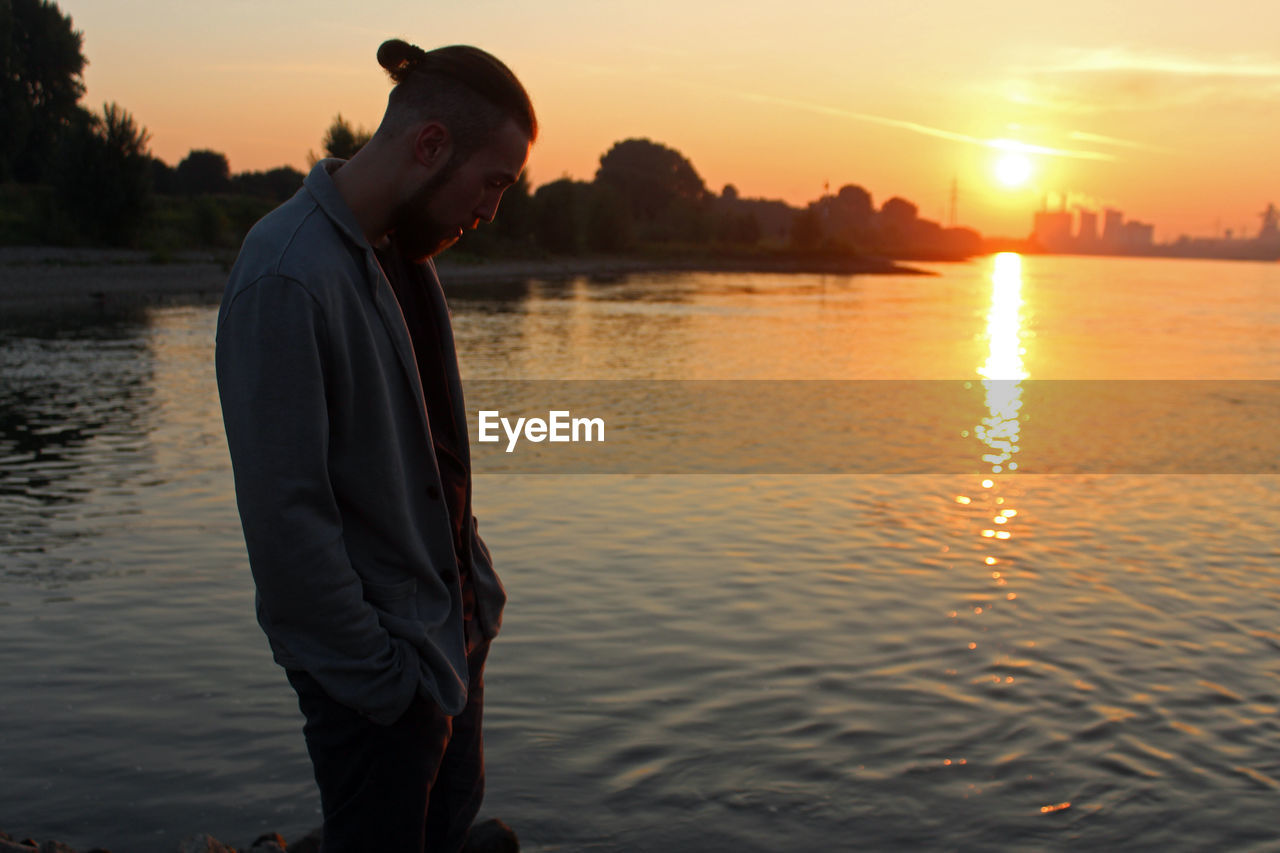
{"points": [[271, 842], [37, 278], [605, 265]]}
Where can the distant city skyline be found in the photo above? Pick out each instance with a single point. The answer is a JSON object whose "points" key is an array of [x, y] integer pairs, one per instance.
{"points": [[1159, 108], [1076, 231]]}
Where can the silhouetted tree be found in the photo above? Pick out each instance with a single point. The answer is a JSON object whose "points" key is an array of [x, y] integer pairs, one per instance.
{"points": [[961, 242], [748, 221], [102, 179], [898, 213], [275, 184], [897, 220], [650, 177], [163, 178], [202, 172], [849, 217], [925, 234], [856, 200], [341, 140], [609, 227], [514, 220], [686, 221], [739, 228], [806, 229], [210, 222], [558, 216], [41, 67]]}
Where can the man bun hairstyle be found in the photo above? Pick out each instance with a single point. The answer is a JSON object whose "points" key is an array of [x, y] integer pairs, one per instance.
{"points": [[398, 57], [468, 90]]}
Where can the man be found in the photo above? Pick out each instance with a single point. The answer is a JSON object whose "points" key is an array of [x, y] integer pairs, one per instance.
{"points": [[348, 436]]}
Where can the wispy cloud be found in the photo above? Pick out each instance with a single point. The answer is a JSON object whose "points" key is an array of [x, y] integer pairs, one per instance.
{"points": [[1100, 139], [1028, 148], [884, 121], [1124, 80], [1106, 61], [926, 130]]}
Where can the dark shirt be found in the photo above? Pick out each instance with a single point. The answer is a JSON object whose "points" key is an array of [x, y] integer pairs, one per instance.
{"points": [[454, 476]]}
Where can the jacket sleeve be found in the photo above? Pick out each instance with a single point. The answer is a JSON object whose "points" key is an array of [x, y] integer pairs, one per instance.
{"points": [[271, 352], [490, 595]]}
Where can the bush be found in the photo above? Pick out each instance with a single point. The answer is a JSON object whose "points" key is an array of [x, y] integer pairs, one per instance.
{"points": [[609, 227], [558, 216], [29, 215], [103, 181]]}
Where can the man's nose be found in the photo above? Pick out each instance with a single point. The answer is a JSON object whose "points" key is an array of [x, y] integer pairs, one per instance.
{"points": [[488, 207]]}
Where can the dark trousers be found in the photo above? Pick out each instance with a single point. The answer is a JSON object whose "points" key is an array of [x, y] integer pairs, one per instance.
{"points": [[412, 787]]}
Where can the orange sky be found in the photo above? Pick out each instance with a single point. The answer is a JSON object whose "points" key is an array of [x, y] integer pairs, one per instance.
{"points": [[1167, 110]]}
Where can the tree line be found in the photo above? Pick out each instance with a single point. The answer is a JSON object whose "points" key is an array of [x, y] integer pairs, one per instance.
{"points": [[647, 197], [69, 175]]}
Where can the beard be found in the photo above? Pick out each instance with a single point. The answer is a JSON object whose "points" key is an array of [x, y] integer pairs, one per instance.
{"points": [[417, 234]]}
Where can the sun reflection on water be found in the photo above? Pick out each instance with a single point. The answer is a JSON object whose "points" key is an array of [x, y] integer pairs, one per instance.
{"points": [[1003, 372], [1002, 375]]}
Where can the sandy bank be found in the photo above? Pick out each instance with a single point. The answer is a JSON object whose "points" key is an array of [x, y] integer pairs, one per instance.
{"points": [[49, 278], [46, 278]]}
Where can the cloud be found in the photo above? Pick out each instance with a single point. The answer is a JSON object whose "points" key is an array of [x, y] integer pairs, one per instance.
{"points": [[1100, 139], [1027, 148], [1117, 80], [926, 130], [1107, 61]]}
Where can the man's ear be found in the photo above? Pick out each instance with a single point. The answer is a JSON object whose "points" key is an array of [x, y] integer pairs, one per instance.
{"points": [[432, 145]]}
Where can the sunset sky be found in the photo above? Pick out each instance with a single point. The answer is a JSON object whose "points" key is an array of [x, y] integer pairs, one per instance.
{"points": [[1168, 110]]}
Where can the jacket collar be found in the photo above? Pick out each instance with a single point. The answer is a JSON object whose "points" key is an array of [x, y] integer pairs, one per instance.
{"points": [[322, 188], [320, 184]]}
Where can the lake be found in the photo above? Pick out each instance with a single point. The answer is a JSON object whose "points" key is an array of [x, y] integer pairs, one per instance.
{"points": [[1018, 592]]}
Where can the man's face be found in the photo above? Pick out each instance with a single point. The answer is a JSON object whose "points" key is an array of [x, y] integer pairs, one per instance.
{"points": [[457, 197]]}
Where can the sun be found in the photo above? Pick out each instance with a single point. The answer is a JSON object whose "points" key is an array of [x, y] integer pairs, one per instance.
{"points": [[1013, 169]]}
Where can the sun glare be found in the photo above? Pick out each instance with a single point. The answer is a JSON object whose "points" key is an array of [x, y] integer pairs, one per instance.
{"points": [[1013, 169]]}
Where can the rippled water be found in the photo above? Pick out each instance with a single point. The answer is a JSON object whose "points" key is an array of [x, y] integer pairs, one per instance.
{"points": [[1004, 661]]}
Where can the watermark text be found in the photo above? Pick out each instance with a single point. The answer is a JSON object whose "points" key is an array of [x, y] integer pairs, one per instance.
{"points": [[558, 426]]}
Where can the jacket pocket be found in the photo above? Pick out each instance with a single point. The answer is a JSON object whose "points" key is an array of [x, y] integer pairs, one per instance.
{"points": [[395, 599]]}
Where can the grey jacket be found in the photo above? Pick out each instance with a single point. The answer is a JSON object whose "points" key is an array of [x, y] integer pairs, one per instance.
{"points": [[348, 534]]}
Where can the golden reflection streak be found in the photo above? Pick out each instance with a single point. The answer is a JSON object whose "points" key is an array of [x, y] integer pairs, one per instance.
{"points": [[1002, 376], [1003, 372]]}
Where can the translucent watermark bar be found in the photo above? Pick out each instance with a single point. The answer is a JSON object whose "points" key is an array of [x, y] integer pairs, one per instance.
{"points": [[875, 426]]}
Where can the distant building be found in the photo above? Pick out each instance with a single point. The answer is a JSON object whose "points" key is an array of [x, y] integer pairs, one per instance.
{"points": [[1052, 229], [1088, 233], [1113, 227], [1052, 232], [1139, 235]]}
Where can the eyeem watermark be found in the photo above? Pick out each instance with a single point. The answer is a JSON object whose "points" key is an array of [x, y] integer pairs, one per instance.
{"points": [[943, 426], [560, 425]]}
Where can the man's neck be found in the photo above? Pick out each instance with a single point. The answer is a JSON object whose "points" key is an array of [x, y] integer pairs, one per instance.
{"points": [[366, 189]]}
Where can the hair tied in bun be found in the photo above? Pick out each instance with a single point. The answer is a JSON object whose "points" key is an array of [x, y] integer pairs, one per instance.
{"points": [[399, 57]]}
